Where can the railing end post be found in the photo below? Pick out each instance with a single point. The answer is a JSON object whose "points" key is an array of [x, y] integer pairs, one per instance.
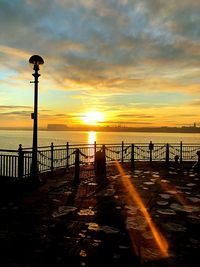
{"points": [[52, 157]]}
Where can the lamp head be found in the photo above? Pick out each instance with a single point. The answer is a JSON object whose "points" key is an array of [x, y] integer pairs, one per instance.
{"points": [[36, 60]]}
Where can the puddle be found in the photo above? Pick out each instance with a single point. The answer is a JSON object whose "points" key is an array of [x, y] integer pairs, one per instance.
{"points": [[148, 235], [194, 241], [123, 247], [171, 172], [104, 228], [93, 227], [175, 227], [82, 235], [166, 211], [194, 217], [83, 253], [194, 199], [109, 230], [137, 171], [131, 210], [186, 208], [63, 210], [165, 196], [182, 187], [149, 253], [67, 193], [165, 181], [96, 242], [156, 175], [56, 200], [162, 203], [136, 223], [106, 193], [86, 212], [190, 184], [92, 183], [148, 183], [172, 192]]}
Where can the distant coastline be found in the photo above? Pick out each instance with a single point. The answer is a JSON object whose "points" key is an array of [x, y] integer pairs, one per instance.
{"points": [[183, 129]]}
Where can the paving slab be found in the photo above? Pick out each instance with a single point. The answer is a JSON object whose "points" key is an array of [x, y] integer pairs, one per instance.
{"points": [[145, 216]]}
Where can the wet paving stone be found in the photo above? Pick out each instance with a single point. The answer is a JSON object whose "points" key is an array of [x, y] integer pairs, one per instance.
{"points": [[114, 222]]}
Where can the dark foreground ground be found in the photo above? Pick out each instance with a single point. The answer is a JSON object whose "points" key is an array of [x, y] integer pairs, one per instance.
{"points": [[146, 216]]}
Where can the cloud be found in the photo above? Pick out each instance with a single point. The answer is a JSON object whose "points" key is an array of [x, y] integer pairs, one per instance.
{"points": [[14, 107], [14, 113], [196, 102], [131, 123], [135, 116], [102, 49]]}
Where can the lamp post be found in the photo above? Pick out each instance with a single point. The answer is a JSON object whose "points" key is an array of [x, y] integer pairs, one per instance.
{"points": [[36, 61]]}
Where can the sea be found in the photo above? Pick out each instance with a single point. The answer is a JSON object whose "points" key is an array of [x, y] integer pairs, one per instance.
{"points": [[11, 139]]}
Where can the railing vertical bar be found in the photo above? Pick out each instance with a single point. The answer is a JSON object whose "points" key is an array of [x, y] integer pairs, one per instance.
{"points": [[181, 152]]}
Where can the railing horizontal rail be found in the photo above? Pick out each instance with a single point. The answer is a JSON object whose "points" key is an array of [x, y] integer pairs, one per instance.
{"points": [[8, 150], [17, 163]]}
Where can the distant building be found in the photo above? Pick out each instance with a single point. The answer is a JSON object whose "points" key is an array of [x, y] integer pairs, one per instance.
{"points": [[57, 127]]}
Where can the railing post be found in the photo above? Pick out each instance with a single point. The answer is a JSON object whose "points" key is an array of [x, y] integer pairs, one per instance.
{"points": [[20, 162], [167, 154], [151, 146], [95, 150], [132, 155], [67, 148], [77, 167], [104, 151], [100, 164], [122, 151], [181, 152], [52, 157], [104, 161]]}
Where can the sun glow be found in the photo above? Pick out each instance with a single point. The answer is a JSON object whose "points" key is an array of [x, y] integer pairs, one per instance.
{"points": [[93, 117]]}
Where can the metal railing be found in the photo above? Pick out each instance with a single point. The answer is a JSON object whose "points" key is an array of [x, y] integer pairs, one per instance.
{"points": [[17, 163]]}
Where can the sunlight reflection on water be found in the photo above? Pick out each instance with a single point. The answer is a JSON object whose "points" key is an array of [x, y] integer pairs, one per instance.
{"points": [[12, 139], [91, 137]]}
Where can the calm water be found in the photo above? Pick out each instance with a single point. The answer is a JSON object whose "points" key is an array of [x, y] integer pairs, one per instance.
{"points": [[12, 139]]}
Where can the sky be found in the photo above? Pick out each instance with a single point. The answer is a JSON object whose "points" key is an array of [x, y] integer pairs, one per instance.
{"points": [[134, 62]]}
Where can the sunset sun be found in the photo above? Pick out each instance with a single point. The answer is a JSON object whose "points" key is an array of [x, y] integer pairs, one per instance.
{"points": [[93, 117]]}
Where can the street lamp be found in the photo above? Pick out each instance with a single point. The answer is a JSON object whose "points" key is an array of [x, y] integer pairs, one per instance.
{"points": [[36, 61]]}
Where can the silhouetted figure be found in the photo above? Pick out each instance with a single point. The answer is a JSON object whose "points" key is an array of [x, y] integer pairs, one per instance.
{"points": [[196, 166]]}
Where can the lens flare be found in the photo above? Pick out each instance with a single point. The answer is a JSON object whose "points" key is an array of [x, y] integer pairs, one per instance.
{"points": [[160, 241]]}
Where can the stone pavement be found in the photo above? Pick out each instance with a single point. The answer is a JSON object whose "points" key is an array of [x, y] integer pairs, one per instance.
{"points": [[146, 216]]}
